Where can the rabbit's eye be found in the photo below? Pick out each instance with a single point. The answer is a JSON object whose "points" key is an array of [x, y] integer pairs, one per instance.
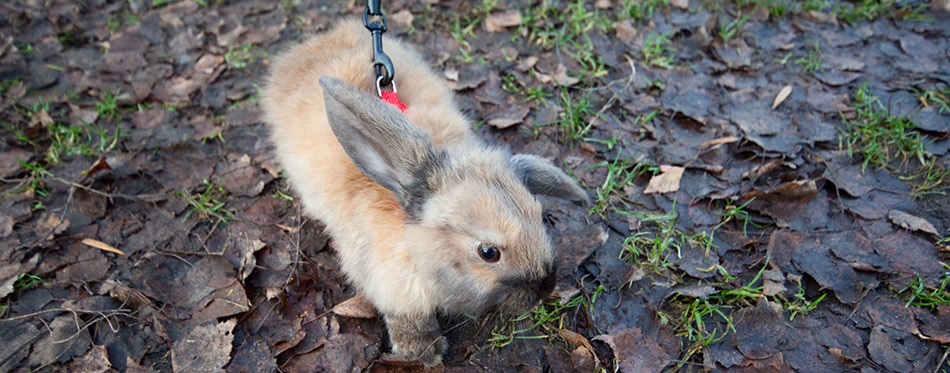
{"points": [[488, 252]]}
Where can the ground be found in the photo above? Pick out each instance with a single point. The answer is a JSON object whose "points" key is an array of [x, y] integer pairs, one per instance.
{"points": [[768, 185]]}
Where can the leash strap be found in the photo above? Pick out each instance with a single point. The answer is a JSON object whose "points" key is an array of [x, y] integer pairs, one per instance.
{"points": [[393, 99], [390, 97]]}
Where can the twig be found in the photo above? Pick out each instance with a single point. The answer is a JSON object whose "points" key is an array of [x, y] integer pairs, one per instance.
{"points": [[942, 360], [105, 194], [296, 244], [613, 98], [117, 311]]}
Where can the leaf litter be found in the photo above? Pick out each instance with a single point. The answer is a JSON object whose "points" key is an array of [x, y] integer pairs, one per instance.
{"points": [[738, 227]]}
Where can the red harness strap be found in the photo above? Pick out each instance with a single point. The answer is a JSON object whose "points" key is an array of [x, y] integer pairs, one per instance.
{"points": [[393, 99]]}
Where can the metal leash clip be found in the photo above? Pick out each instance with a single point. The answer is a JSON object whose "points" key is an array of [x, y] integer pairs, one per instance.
{"points": [[379, 85], [381, 62]]}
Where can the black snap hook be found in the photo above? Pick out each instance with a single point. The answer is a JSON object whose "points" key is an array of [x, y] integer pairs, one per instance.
{"points": [[381, 62]]}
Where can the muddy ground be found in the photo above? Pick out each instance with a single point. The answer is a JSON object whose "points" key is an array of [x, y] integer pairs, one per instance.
{"points": [[768, 186]]}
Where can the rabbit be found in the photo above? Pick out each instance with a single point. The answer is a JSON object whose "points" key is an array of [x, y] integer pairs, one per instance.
{"points": [[426, 218]]}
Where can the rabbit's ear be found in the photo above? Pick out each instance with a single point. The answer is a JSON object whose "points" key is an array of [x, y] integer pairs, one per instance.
{"points": [[380, 141], [540, 176]]}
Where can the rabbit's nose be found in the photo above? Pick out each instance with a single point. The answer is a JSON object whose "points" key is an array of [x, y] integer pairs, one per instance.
{"points": [[547, 284]]}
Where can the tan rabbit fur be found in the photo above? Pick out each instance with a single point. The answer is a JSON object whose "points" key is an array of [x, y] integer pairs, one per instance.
{"points": [[414, 202]]}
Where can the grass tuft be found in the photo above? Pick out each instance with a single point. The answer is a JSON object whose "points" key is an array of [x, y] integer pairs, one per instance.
{"points": [[879, 137], [919, 294], [209, 204], [656, 51], [812, 62], [542, 322]]}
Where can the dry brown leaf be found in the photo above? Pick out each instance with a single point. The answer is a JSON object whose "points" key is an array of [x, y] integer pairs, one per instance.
{"points": [[357, 307], [42, 118], [695, 291], [8, 276], [667, 181], [248, 247], [625, 31], [99, 165], [101, 246], [790, 190], [634, 351], [782, 95], [451, 74], [682, 4], [499, 21], [575, 339], [204, 348], [96, 360], [561, 77], [720, 141], [507, 115], [53, 224], [911, 222], [773, 287], [837, 352]]}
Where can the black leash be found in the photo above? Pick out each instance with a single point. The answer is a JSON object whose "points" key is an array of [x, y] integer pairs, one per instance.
{"points": [[381, 62]]}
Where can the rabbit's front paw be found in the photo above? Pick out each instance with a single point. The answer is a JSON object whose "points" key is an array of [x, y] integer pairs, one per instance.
{"points": [[417, 338]]}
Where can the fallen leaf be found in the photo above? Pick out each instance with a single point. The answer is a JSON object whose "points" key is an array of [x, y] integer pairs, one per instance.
{"points": [[701, 291], [248, 247], [347, 352], [16, 343], [204, 348], [774, 282], [782, 95], [507, 115], [561, 77], [575, 339], [254, 355], [526, 63], [96, 360], [357, 307], [8, 276], [888, 347], [52, 225], [817, 16], [451, 74], [99, 165], [625, 31], [10, 161], [720, 141], [101, 246], [65, 341], [499, 21], [583, 359], [175, 90], [122, 62], [636, 352], [239, 176], [837, 352], [41, 118], [911, 222], [667, 181]]}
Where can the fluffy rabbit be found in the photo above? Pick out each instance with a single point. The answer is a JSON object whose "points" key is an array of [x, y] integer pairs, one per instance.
{"points": [[426, 218]]}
